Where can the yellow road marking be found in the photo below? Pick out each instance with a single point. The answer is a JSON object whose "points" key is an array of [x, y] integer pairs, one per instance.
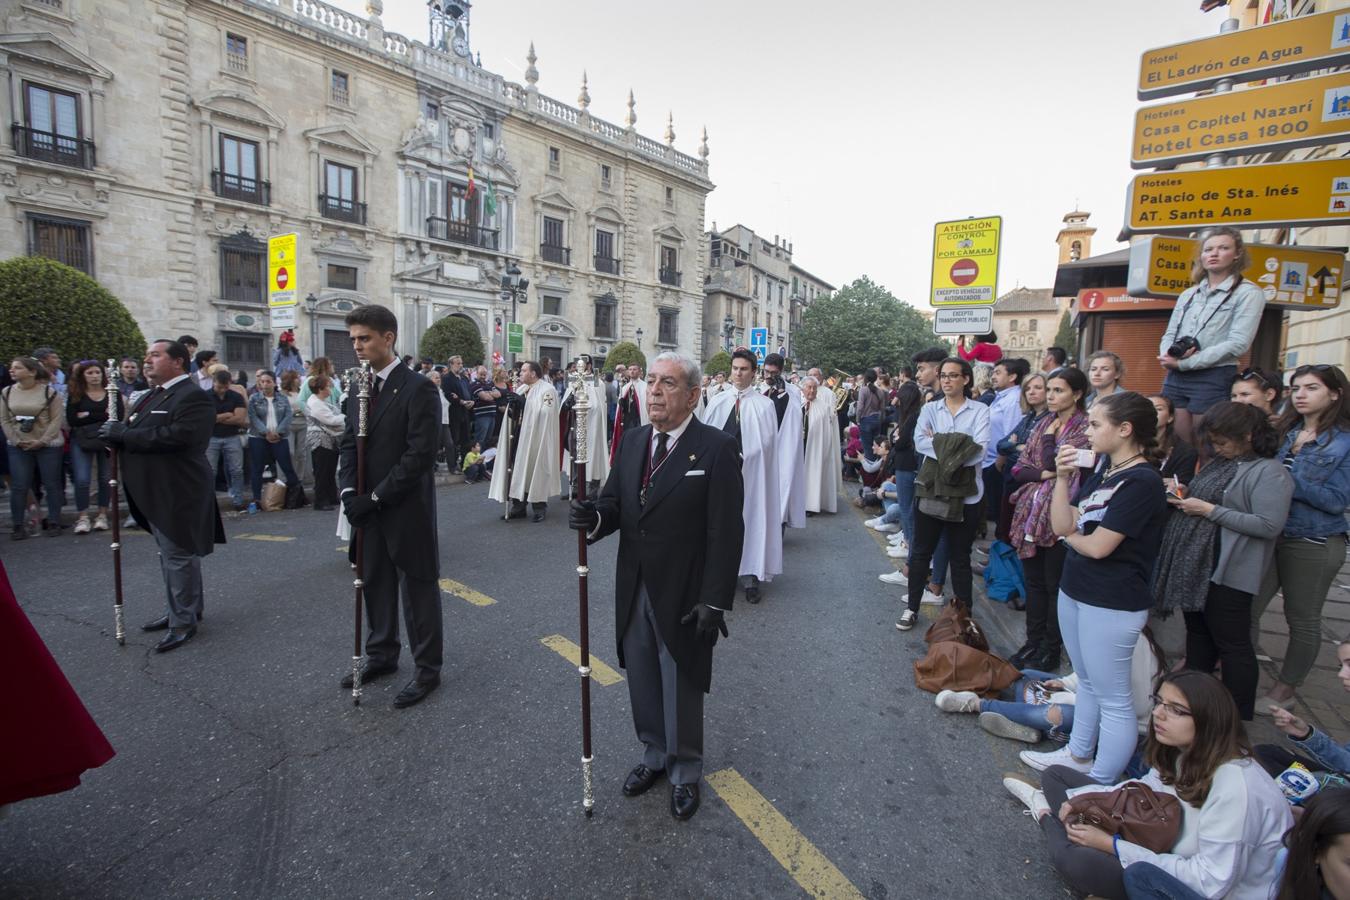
{"points": [[465, 592], [807, 865], [572, 653], [276, 538]]}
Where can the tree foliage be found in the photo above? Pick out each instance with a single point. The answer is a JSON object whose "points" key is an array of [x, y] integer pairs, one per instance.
{"points": [[859, 326], [626, 353], [1067, 336], [453, 336], [720, 362], [44, 303]]}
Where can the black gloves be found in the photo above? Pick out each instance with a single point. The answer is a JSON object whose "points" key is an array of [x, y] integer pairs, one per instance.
{"points": [[582, 515], [516, 403], [709, 623], [112, 431], [360, 509]]}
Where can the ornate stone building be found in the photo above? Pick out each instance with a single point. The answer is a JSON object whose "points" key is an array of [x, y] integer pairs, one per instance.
{"points": [[157, 145]]}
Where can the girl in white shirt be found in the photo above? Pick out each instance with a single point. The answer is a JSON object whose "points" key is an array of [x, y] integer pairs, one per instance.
{"points": [[1233, 814]]}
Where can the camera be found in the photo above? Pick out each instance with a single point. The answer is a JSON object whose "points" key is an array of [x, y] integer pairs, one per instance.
{"points": [[1182, 345], [26, 423]]}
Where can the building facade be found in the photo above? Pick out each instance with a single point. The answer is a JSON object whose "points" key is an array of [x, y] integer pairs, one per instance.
{"points": [[160, 159], [752, 282], [1025, 320]]}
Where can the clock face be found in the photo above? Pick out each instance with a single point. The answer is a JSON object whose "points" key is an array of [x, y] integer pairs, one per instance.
{"points": [[460, 45]]}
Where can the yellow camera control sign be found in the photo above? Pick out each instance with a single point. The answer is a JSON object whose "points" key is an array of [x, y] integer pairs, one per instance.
{"points": [[965, 261]]}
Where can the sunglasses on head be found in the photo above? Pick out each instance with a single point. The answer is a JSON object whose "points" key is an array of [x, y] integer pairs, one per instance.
{"points": [[1254, 375]]}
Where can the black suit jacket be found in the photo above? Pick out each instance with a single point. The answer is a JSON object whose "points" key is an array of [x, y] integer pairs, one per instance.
{"points": [[684, 545], [163, 465], [403, 437]]}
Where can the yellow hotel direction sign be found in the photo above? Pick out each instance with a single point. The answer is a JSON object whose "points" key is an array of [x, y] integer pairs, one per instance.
{"points": [[282, 277], [1297, 277], [1270, 196], [1292, 114], [1281, 48], [965, 261]]}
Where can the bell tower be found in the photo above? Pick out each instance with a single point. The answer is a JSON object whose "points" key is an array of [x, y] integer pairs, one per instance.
{"points": [[1075, 238]]}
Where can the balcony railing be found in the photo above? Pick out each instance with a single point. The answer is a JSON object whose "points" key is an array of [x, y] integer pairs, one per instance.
{"points": [[607, 265], [236, 187], [341, 208], [555, 254], [56, 148], [670, 277], [439, 229]]}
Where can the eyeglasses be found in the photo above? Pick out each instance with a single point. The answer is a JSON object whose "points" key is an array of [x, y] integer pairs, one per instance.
{"points": [[1171, 709], [948, 376]]}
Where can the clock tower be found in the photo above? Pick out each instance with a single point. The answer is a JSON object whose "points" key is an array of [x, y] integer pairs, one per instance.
{"points": [[449, 20]]}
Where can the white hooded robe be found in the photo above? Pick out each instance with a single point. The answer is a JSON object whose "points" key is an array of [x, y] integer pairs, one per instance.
{"points": [[791, 474], [535, 475], [823, 464], [762, 550], [597, 441]]}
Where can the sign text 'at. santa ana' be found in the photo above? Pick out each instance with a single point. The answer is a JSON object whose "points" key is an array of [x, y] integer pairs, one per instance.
{"points": [[965, 261]]}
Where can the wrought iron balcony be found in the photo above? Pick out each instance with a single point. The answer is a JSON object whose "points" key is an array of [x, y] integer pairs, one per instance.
{"points": [[341, 208], [236, 187], [670, 277], [439, 229], [607, 265], [56, 148], [555, 254]]}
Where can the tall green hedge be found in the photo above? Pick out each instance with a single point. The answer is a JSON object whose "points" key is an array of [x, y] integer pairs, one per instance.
{"points": [[44, 303], [627, 353], [719, 362], [453, 336]]}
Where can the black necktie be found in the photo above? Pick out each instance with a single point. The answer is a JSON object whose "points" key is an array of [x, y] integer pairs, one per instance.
{"points": [[659, 456], [145, 401], [375, 390]]}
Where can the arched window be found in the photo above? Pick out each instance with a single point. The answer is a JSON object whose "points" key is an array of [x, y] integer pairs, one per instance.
{"points": [[1076, 250]]}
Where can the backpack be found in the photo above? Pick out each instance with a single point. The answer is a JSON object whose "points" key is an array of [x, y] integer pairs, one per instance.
{"points": [[1003, 577]]}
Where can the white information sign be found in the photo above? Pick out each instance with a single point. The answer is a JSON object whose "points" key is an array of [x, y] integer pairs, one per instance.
{"points": [[963, 320]]}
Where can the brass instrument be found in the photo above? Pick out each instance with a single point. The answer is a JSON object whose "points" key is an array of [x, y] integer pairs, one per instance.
{"points": [[842, 389]]}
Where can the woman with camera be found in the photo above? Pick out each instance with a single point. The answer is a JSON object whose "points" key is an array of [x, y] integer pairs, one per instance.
{"points": [[31, 417], [86, 411], [1219, 542], [1316, 451], [1212, 325]]}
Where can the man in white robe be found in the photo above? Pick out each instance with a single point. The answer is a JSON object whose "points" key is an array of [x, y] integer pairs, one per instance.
{"points": [[822, 389], [824, 477], [527, 463], [597, 447], [632, 410], [787, 401], [749, 415]]}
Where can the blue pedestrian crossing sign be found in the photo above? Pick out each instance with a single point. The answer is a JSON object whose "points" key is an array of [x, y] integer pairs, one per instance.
{"points": [[759, 337], [760, 352]]}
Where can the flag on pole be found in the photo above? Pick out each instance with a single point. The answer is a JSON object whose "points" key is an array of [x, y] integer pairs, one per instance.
{"points": [[489, 201], [469, 191]]}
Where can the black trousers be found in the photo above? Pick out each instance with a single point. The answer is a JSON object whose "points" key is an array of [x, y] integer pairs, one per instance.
{"points": [[1275, 759], [325, 476], [1042, 574], [960, 535], [1087, 871], [1222, 632], [421, 610]]}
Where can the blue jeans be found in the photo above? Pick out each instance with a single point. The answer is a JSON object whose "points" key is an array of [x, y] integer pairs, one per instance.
{"points": [[1029, 714], [482, 429], [867, 431], [83, 463], [23, 465], [260, 451], [230, 449], [1101, 645], [904, 494], [1145, 881]]}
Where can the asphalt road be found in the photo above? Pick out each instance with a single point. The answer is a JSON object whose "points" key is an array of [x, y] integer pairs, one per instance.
{"points": [[242, 769]]}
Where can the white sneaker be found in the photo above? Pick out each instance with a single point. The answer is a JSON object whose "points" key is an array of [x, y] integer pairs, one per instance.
{"points": [[883, 527], [894, 578], [1000, 725], [873, 523], [1061, 757], [906, 620], [957, 701], [899, 551], [101, 523], [82, 525], [1028, 795], [931, 598], [897, 537]]}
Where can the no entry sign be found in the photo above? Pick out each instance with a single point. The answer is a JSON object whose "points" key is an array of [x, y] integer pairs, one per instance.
{"points": [[964, 271]]}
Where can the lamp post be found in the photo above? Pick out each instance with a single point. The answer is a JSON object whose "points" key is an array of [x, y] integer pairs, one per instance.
{"points": [[514, 288], [639, 339], [728, 329], [311, 308]]}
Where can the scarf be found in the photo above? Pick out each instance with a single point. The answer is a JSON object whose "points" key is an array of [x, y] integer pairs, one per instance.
{"points": [[1186, 561], [1031, 526]]}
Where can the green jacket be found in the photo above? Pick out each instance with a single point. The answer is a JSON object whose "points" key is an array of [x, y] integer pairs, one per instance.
{"points": [[947, 479]]}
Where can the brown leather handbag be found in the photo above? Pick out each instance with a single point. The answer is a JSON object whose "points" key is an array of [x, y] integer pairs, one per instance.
{"points": [[1134, 811], [955, 624], [954, 666]]}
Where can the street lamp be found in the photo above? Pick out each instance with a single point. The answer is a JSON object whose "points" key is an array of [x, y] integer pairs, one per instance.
{"points": [[728, 329], [311, 306], [639, 337], [514, 288]]}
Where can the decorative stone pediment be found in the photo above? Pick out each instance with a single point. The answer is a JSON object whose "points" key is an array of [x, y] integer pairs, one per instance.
{"points": [[241, 107], [343, 136], [451, 274], [609, 214], [553, 326], [54, 192], [556, 200], [668, 232], [53, 52]]}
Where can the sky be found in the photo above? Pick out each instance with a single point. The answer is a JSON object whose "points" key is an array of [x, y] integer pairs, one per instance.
{"points": [[853, 127]]}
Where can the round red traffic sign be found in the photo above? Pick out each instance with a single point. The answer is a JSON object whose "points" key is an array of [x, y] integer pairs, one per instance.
{"points": [[964, 271], [283, 278]]}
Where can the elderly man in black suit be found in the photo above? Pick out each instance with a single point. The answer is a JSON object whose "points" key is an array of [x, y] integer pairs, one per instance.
{"points": [[398, 511], [169, 484], [675, 496]]}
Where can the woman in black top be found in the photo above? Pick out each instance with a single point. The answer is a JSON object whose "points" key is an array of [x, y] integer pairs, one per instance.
{"points": [[1178, 457], [86, 410]]}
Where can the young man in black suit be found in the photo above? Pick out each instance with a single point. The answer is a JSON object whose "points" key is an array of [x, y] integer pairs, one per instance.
{"points": [[169, 485], [398, 510], [675, 497]]}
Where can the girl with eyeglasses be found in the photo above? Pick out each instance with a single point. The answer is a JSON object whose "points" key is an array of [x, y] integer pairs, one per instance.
{"points": [[1233, 815], [1316, 451]]}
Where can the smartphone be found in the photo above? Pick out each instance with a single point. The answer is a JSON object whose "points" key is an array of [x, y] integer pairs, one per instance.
{"points": [[1085, 459], [1175, 488]]}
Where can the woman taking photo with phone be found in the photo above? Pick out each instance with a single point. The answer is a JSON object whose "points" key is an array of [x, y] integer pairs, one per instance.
{"points": [[1316, 451], [1112, 529]]}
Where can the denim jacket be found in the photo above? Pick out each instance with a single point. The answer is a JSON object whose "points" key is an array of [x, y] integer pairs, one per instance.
{"points": [[1321, 485], [257, 414], [1326, 751]]}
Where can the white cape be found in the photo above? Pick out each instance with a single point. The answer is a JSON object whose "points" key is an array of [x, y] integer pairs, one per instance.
{"points": [[534, 477], [762, 550], [641, 388], [791, 477], [824, 477], [597, 441]]}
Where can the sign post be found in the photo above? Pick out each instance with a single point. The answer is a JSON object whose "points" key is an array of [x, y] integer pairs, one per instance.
{"points": [[283, 290], [1293, 277], [965, 262]]}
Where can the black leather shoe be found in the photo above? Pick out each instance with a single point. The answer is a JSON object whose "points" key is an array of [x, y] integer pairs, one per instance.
{"points": [[368, 674], [415, 692], [683, 800], [517, 510], [1046, 660], [540, 511], [1019, 659], [160, 624], [174, 639], [640, 780], [752, 593]]}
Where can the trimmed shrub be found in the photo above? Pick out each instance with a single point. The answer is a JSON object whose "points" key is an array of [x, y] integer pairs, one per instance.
{"points": [[453, 336], [44, 303], [720, 362], [627, 353]]}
